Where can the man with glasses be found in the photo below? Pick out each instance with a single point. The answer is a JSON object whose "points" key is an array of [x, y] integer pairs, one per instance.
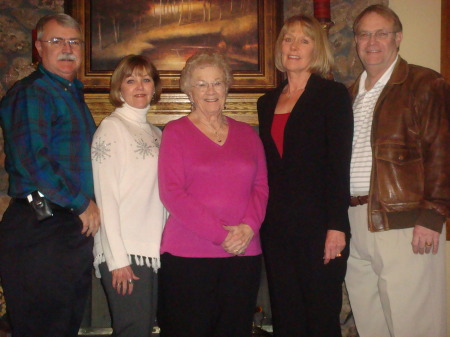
{"points": [[400, 185], [46, 235]]}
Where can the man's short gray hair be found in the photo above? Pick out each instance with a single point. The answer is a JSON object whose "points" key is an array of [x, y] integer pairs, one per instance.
{"points": [[61, 18], [383, 11]]}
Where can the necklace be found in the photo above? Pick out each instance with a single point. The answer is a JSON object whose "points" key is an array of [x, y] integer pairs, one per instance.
{"points": [[288, 93], [215, 131]]}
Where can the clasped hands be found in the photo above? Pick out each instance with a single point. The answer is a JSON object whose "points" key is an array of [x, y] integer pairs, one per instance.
{"points": [[238, 239]]}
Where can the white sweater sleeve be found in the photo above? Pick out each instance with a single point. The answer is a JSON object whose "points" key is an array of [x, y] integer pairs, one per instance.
{"points": [[108, 164]]}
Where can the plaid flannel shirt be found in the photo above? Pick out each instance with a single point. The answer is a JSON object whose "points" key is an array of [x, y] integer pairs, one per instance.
{"points": [[48, 129]]}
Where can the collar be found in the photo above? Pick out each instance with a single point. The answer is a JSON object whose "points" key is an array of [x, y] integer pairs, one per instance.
{"points": [[384, 79], [400, 72], [313, 82], [399, 75], [129, 113], [62, 81]]}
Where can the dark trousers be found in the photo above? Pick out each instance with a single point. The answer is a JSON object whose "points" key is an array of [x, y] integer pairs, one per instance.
{"points": [[305, 294], [45, 269], [132, 315], [207, 297]]}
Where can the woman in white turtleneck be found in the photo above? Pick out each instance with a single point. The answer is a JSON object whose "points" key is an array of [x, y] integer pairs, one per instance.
{"points": [[125, 152]]}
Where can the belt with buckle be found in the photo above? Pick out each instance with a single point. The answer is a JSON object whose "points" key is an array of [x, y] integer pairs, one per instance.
{"points": [[358, 200]]}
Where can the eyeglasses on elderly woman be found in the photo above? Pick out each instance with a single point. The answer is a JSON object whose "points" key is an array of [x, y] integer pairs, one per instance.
{"points": [[204, 86]]}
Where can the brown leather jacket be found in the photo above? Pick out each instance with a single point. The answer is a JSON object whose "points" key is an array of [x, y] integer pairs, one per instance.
{"points": [[410, 180]]}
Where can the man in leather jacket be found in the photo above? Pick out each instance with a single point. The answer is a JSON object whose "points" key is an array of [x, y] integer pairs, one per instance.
{"points": [[400, 185]]}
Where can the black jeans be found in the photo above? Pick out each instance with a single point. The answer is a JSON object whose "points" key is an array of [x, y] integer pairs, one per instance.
{"points": [[207, 297], [45, 269]]}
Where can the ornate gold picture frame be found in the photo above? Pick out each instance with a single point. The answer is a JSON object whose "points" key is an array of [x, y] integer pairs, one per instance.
{"points": [[258, 77], [247, 87]]}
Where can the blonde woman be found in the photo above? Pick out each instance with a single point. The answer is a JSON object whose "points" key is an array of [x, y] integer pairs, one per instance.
{"points": [[306, 126]]}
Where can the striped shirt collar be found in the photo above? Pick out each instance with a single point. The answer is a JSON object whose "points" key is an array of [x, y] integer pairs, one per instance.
{"points": [[382, 81]]}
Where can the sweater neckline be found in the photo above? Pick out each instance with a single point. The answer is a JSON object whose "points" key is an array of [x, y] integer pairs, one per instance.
{"points": [[132, 114], [204, 136]]}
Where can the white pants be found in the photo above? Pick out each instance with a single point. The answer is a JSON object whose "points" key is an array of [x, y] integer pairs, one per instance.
{"points": [[394, 292]]}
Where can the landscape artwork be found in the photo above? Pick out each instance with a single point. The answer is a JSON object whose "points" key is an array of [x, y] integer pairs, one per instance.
{"points": [[170, 31]]}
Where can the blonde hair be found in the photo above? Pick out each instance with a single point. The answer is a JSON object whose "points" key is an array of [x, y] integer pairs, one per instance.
{"points": [[202, 59], [322, 59], [129, 64]]}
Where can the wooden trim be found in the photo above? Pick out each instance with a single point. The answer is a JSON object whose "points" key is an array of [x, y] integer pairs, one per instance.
{"points": [[241, 107]]}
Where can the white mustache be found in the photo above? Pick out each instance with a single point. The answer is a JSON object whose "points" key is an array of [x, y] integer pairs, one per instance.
{"points": [[67, 57]]}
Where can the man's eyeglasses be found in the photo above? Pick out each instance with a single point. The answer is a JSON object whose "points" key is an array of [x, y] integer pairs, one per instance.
{"points": [[60, 42], [379, 35], [203, 86]]}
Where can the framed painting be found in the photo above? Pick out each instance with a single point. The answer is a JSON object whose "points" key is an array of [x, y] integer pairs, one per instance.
{"points": [[169, 31]]}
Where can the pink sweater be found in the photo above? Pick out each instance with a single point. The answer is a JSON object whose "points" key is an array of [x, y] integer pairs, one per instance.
{"points": [[205, 186]]}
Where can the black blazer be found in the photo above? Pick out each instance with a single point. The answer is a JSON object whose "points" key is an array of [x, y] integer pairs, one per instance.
{"points": [[309, 186]]}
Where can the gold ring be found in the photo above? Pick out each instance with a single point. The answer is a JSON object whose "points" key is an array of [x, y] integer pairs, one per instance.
{"points": [[130, 281], [338, 255], [428, 244]]}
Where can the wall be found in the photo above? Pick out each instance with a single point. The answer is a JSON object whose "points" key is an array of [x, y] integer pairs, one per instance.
{"points": [[17, 19], [421, 31]]}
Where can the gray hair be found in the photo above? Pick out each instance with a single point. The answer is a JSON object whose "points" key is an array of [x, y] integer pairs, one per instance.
{"points": [[383, 11], [202, 59], [61, 18]]}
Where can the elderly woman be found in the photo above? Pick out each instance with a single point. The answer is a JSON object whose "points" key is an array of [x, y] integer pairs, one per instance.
{"points": [[306, 126], [213, 181], [125, 160]]}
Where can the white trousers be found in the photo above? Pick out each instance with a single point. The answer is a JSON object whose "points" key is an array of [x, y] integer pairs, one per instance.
{"points": [[394, 292]]}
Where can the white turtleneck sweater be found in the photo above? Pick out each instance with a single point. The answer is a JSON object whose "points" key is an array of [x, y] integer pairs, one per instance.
{"points": [[125, 152]]}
